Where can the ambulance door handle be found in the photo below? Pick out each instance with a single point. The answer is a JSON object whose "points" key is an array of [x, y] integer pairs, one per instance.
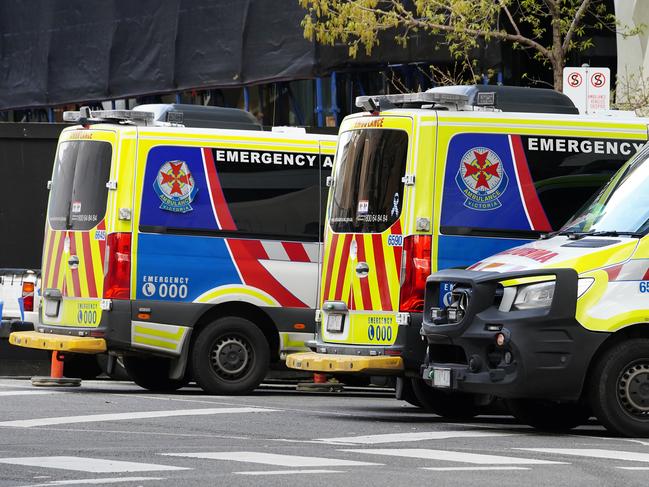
{"points": [[73, 262], [362, 269]]}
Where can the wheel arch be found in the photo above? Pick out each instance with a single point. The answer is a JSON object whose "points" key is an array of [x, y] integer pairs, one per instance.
{"points": [[637, 330], [245, 310]]}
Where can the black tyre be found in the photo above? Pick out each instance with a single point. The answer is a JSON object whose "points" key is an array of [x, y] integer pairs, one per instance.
{"points": [[450, 405], [230, 356], [81, 366], [548, 415], [152, 373], [405, 391], [619, 388]]}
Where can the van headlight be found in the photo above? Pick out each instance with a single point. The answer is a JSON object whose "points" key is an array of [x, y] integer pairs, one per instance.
{"points": [[534, 296]]}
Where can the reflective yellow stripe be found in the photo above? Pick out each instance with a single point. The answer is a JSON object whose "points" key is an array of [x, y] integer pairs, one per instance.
{"points": [[235, 292], [155, 343], [160, 333], [83, 279]]}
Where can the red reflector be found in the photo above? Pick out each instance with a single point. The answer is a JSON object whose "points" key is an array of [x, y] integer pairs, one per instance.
{"points": [[393, 352], [117, 282], [97, 334], [415, 268]]}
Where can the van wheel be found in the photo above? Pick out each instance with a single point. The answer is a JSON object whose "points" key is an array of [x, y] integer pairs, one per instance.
{"points": [[451, 405], [547, 415], [230, 356], [619, 388], [152, 373]]}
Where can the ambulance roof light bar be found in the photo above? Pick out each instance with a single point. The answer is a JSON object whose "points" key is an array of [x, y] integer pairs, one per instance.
{"points": [[86, 116], [442, 100]]}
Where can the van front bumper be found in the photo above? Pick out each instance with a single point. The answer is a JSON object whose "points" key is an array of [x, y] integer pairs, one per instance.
{"points": [[546, 352], [322, 362]]}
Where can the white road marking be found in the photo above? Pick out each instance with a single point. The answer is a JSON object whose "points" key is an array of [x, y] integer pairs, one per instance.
{"points": [[91, 418], [114, 480], [633, 468], [27, 393], [594, 453], [273, 459], [286, 472], [453, 456], [470, 469], [407, 437], [83, 464]]}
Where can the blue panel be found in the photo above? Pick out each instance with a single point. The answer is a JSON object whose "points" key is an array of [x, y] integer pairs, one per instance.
{"points": [[454, 251], [198, 213], [166, 263], [486, 194]]}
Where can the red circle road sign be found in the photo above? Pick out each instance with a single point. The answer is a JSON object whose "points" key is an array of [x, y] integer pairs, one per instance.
{"points": [[598, 80], [574, 79]]}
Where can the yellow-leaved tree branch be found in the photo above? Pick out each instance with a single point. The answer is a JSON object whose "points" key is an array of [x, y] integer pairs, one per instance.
{"points": [[551, 29]]}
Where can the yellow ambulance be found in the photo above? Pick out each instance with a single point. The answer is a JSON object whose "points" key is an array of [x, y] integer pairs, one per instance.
{"points": [[187, 248], [559, 327], [437, 180]]}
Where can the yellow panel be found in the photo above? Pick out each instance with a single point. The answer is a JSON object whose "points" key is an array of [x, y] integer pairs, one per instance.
{"points": [[321, 362], [63, 343]]}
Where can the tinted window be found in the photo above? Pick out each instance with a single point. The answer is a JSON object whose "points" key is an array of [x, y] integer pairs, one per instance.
{"points": [[275, 199], [368, 191], [79, 193]]}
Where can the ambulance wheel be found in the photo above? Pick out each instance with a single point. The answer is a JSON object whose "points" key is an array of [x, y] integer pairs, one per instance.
{"points": [[450, 405], [619, 388], [230, 356], [548, 415], [152, 373]]}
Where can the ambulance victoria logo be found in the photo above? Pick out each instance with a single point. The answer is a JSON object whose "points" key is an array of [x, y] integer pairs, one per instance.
{"points": [[175, 187], [482, 179]]}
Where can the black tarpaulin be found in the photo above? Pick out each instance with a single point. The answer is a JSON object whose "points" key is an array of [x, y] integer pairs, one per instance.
{"points": [[70, 51]]}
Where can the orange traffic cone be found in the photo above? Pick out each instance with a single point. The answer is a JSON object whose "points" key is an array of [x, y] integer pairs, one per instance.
{"points": [[56, 378]]}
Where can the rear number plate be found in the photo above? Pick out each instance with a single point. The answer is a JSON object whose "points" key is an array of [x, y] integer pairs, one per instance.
{"points": [[442, 377], [335, 323]]}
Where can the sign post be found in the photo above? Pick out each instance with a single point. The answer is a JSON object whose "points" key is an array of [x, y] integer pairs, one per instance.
{"points": [[588, 88]]}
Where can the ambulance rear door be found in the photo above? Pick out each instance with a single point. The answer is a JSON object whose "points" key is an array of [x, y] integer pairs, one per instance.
{"points": [[364, 231]]}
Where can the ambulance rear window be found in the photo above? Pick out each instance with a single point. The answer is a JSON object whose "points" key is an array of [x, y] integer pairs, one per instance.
{"points": [[79, 193], [368, 191]]}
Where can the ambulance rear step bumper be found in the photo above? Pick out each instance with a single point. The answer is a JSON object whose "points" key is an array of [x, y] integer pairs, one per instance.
{"points": [[319, 362], [61, 343]]}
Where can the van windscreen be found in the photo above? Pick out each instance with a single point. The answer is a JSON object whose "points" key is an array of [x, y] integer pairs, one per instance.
{"points": [[367, 190], [79, 193]]}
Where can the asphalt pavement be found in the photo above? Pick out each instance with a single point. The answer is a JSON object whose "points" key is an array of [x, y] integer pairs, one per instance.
{"points": [[114, 433]]}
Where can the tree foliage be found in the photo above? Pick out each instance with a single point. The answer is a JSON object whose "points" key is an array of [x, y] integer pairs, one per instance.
{"points": [[551, 29]]}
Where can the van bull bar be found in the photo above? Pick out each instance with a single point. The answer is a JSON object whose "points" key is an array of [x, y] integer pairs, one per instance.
{"points": [[482, 344]]}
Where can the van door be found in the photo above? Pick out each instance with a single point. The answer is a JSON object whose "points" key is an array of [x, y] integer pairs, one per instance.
{"points": [[75, 230], [364, 232]]}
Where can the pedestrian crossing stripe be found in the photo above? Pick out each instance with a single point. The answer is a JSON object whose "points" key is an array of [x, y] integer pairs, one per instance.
{"points": [[273, 459], [454, 456], [409, 437], [84, 464], [594, 453]]}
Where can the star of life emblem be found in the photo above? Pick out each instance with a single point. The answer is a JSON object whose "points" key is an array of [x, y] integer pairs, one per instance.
{"points": [[482, 179], [175, 187]]}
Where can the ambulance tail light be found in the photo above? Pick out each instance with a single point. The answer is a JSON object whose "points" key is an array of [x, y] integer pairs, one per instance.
{"points": [[117, 266], [28, 296], [415, 268]]}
